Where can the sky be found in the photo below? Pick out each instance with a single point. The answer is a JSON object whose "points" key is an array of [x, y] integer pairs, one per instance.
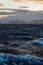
{"points": [[32, 5]]}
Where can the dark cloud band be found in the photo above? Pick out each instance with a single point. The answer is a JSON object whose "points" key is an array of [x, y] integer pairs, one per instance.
{"points": [[1, 5]]}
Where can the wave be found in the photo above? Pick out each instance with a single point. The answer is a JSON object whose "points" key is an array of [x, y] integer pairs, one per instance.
{"points": [[9, 59]]}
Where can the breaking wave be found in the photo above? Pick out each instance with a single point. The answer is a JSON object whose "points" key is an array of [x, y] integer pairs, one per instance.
{"points": [[9, 59]]}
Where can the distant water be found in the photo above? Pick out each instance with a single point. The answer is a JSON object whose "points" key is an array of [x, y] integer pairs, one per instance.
{"points": [[8, 59], [16, 30]]}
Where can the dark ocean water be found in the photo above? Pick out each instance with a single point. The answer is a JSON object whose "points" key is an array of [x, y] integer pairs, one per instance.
{"points": [[8, 59], [15, 39]]}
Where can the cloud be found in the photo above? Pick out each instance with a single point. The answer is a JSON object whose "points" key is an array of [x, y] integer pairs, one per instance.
{"points": [[32, 5], [26, 0], [22, 0], [1, 4], [23, 7]]}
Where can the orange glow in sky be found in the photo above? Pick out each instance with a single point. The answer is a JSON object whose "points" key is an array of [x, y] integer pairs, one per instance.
{"points": [[13, 4]]}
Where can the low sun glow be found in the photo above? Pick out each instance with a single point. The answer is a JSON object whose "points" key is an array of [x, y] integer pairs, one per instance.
{"points": [[32, 5], [2, 16]]}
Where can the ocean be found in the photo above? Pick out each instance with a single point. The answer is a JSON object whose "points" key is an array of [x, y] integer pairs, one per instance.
{"points": [[16, 39]]}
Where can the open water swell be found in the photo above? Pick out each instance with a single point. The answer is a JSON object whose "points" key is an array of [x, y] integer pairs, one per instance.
{"points": [[8, 59], [15, 41]]}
